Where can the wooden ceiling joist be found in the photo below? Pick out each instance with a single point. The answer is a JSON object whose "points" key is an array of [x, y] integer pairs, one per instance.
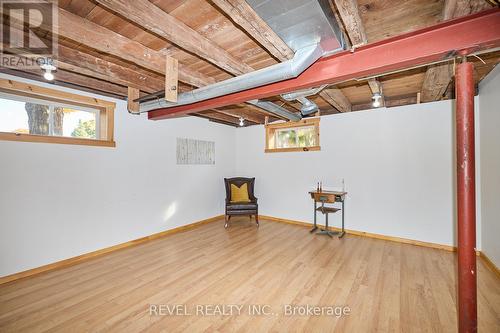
{"points": [[216, 119], [92, 35], [75, 81], [436, 81], [459, 8], [237, 115], [243, 15], [391, 55], [242, 112], [154, 19], [349, 14], [352, 24], [74, 60], [258, 111], [173, 30], [438, 77], [336, 98], [216, 114]]}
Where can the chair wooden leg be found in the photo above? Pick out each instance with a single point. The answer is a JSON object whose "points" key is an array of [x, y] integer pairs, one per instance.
{"points": [[257, 219], [226, 220]]}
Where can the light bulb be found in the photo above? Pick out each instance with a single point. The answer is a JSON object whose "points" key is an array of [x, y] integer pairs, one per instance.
{"points": [[376, 100], [242, 121], [48, 75], [48, 68]]}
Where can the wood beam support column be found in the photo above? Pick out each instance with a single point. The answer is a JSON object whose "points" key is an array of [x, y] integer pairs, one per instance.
{"points": [[376, 88], [466, 199], [171, 79], [133, 94]]}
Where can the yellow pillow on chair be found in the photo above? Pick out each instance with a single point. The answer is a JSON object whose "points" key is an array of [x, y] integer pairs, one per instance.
{"points": [[239, 194]]}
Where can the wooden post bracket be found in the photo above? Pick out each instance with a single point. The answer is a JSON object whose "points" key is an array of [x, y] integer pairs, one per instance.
{"points": [[171, 79], [132, 94]]}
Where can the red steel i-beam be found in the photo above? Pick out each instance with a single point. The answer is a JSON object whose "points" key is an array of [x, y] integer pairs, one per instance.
{"points": [[445, 40], [466, 199]]}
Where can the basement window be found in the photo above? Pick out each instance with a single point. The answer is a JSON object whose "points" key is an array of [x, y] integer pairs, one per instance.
{"points": [[293, 136], [30, 113]]}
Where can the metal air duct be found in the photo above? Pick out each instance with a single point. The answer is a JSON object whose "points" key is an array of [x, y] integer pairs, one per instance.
{"points": [[307, 26]]}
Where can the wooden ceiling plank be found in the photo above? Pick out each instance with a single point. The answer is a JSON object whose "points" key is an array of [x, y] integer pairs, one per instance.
{"points": [[457, 8], [349, 14], [336, 98], [239, 113], [215, 114], [436, 81], [438, 77], [73, 60], [154, 19], [262, 111], [244, 16], [216, 120], [104, 40], [396, 101]]}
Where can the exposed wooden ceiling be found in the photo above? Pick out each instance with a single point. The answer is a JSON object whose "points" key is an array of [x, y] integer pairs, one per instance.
{"points": [[108, 45]]}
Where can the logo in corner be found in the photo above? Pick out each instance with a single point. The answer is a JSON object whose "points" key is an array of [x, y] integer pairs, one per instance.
{"points": [[28, 33]]}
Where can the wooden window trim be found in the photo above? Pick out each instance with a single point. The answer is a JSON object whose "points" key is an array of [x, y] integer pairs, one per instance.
{"points": [[106, 114], [271, 129]]}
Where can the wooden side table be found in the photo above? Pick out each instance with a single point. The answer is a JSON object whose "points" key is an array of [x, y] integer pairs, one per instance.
{"points": [[328, 197]]}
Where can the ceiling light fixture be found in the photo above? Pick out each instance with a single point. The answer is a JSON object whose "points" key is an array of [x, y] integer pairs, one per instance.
{"points": [[48, 68], [376, 100], [242, 121]]}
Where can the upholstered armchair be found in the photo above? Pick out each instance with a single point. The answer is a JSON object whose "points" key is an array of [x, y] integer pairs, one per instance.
{"points": [[240, 198]]}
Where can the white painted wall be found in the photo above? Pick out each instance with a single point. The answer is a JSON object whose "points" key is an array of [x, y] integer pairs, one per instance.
{"points": [[60, 201], [489, 100], [398, 166]]}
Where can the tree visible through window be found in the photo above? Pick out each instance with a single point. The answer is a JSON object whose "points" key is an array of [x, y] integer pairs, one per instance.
{"points": [[30, 117], [295, 137], [85, 129], [31, 113]]}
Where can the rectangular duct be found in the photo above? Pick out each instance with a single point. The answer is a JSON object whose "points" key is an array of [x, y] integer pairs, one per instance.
{"points": [[300, 23]]}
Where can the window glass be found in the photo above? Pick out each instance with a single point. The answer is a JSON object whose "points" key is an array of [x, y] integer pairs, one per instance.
{"points": [[42, 118], [295, 137]]}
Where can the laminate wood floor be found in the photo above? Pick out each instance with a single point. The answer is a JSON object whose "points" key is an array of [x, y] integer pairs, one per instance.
{"points": [[386, 286]]}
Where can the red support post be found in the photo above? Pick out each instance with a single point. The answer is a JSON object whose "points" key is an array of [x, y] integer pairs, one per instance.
{"points": [[466, 199]]}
